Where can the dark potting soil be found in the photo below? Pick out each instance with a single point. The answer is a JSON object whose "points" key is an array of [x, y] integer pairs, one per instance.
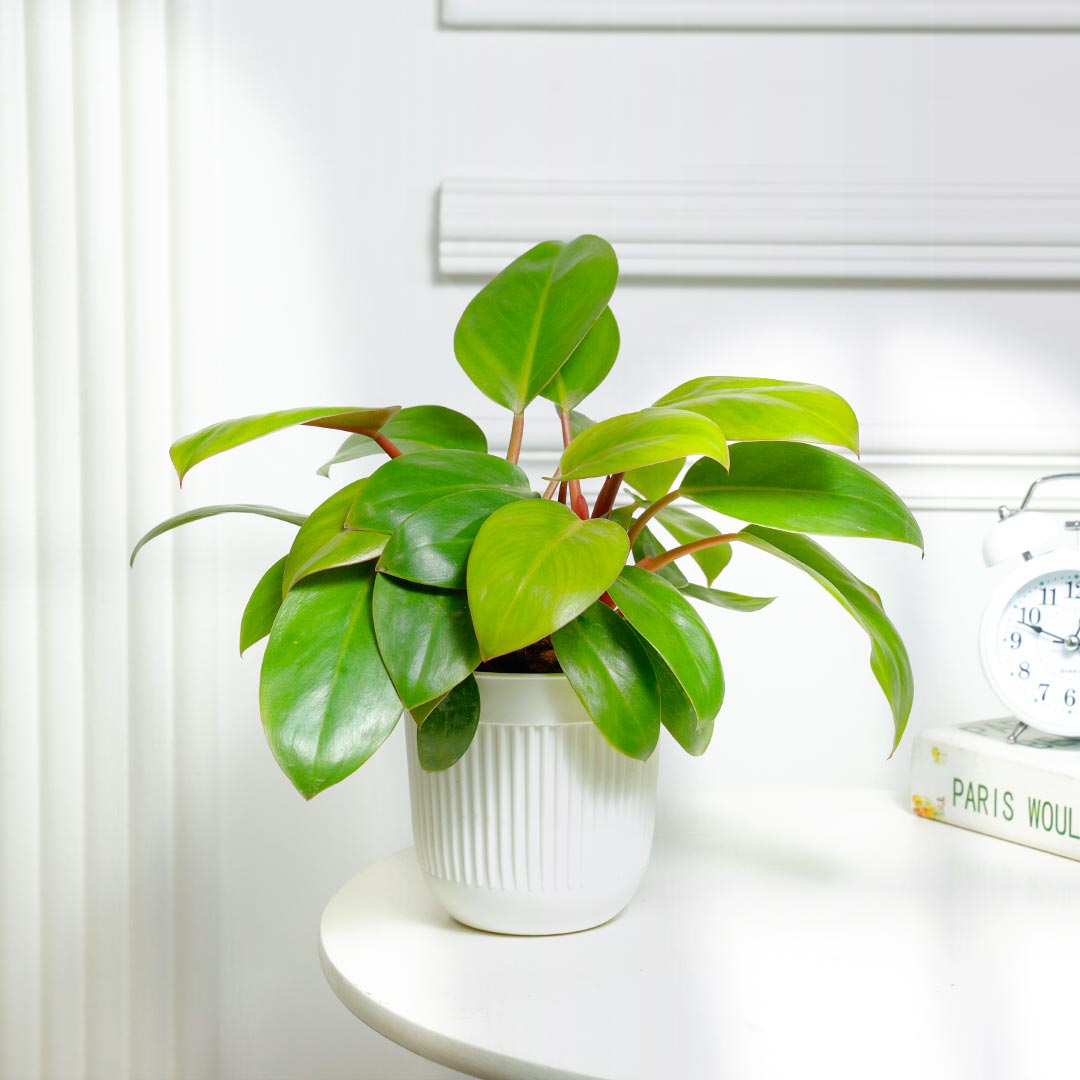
{"points": [[536, 659]]}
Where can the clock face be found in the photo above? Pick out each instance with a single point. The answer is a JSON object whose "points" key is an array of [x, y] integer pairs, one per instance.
{"points": [[1032, 649]]}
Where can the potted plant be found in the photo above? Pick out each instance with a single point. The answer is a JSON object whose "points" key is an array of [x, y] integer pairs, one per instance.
{"points": [[539, 643]]}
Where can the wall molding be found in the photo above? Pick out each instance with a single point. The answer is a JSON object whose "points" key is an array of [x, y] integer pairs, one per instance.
{"points": [[764, 14], [961, 232]]}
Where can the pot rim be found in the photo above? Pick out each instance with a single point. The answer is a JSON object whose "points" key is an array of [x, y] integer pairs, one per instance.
{"points": [[496, 675]]}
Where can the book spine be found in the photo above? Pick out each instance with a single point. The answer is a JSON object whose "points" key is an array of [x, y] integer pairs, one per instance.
{"points": [[993, 795]]}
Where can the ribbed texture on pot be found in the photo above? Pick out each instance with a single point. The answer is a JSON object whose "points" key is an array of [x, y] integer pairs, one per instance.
{"points": [[534, 809]]}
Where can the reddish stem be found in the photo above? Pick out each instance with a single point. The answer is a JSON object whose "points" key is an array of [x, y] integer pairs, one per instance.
{"points": [[650, 512], [386, 444], [655, 562], [577, 500], [606, 599], [562, 492], [513, 451], [606, 499]]}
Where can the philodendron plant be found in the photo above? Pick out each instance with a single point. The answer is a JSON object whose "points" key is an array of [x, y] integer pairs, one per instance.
{"points": [[444, 561]]}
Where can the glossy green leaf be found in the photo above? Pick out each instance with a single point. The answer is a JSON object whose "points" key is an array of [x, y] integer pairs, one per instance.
{"points": [[402, 486], [677, 713], [326, 699], [646, 546], [729, 600], [803, 489], [888, 656], [642, 438], [686, 527], [579, 422], [588, 365], [323, 542], [425, 636], [655, 481], [676, 631], [421, 712], [449, 728], [534, 566], [262, 607], [520, 329], [770, 409], [201, 512], [432, 546], [421, 427], [611, 674], [217, 438]]}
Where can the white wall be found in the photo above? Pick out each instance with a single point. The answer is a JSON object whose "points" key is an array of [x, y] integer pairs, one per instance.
{"points": [[310, 156]]}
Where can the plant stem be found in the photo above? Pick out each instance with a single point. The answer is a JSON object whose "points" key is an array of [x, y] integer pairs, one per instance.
{"points": [[655, 562], [577, 500], [562, 492], [552, 485], [513, 451], [386, 444], [650, 512], [606, 499]]}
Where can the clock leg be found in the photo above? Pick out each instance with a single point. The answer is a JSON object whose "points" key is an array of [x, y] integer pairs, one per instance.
{"points": [[1017, 731]]}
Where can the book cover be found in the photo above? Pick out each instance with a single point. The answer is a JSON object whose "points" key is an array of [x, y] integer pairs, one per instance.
{"points": [[1028, 791]]}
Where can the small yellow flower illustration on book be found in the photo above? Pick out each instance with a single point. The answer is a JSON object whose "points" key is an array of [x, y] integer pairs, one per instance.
{"points": [[928, 808], [939, 756]]}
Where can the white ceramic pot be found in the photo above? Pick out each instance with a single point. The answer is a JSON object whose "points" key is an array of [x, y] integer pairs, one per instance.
{"points": [[541, 827]]}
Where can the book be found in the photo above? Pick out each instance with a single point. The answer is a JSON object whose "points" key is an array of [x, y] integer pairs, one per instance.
{"points": [[1027, 792]]}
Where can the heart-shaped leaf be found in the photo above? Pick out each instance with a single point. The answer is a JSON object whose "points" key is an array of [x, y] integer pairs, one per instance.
{"points": [[607, 666], [534, 566], [676, 631], [655, 481], [448, 730], [399, 488], [588, 365], [421, 427], [217, 438], [642, 438], [426, 638], [888, 657], [262, 607], [769, 409], [686, 528], [323, 542], [803, 489], [201, 512], [526, 322], [728, 600], [326, 699], [677, 713], [432, 546]]}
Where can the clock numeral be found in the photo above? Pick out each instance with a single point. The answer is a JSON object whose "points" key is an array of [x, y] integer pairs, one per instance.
{"points": [[1049, 597], [1044, 687], [1031, 615], [1074, 592], [1025, 670], [1070, 698], [1015, 640]]}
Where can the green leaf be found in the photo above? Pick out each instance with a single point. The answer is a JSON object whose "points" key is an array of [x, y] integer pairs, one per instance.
{"points": [[262, 607], [449, 728], [421, 427], [646, 546], [770, 409], [323, 542], [677, 713], [425, 636], [686, 528], [217, 438], [654, 481], [432, 546], [212, 511], [421, 712], [326, 699], [888, 657], [524, 324], [534, 566], [588, 365], [654, 608], [607, 666], [579, 422], [729, 600], [642, 438], [803, 489], [402, 486]]}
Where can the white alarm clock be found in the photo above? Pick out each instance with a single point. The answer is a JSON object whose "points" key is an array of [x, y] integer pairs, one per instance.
{"points": [[1030, 636]]}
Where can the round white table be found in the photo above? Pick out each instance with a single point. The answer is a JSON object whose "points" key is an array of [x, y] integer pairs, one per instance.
{"points": [[776, 935]]}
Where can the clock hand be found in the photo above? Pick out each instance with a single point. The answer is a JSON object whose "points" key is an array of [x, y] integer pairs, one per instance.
{"points": [[1040, 630]]}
